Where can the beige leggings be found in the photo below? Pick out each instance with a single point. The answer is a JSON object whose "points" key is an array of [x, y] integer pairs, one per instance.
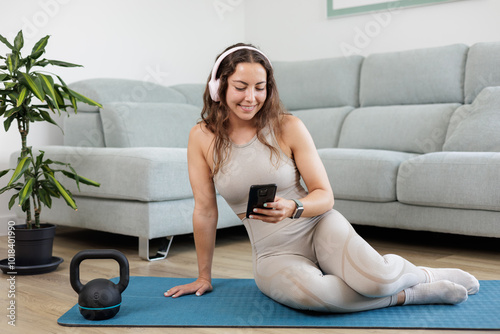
{"points": [[322, 264]]}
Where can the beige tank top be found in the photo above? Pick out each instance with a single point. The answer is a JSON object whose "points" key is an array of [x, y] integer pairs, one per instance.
{"points": [[250, 164]]}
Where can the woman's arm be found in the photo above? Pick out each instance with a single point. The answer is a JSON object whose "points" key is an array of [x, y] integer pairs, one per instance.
{"points": [[205, 213], [298, 143]]}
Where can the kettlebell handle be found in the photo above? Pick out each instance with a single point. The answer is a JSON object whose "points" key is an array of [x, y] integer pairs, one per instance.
{"points": [[74, 268]]}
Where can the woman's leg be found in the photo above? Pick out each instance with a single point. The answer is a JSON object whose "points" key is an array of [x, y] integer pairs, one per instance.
{"points": [[297, 282], [342, 252]]}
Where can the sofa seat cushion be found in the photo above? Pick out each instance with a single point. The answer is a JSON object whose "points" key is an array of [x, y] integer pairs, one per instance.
{"points": [[363, 175], [405, 128], [463, 180], [324, 124], [141, 174], [129, 124]]}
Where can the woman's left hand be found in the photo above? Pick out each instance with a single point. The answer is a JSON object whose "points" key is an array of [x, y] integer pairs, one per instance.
{"points": [[276, 211]]}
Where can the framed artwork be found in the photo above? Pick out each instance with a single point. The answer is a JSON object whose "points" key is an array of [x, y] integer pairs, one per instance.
{"points": [[338, 8]]}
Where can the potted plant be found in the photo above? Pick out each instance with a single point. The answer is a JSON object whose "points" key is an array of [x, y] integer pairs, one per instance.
{"points": [[30, 94]]}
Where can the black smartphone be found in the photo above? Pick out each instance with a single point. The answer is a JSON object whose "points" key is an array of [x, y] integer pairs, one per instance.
{"points": [[260, 194]]}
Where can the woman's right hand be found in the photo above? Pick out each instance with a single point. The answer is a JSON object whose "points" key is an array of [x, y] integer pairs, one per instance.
{"points": [[200, 286]]}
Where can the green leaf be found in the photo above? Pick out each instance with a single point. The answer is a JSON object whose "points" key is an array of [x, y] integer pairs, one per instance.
{"points": [[33, 85], [59, 97], [8, 122], [2, 109], [6, 42], [46, 168], [62, 191], [12, 62], [25, 193], [3, 76], [46, 116], [22, 96], [39, 47], [45, 197], [12, 186], [81, 179], [22, 166], [12, 111], [48, 87], [19, 41], [70, 97], [39, 159], [41, 63], [13, 200], [61, 81], [84, 99], [49, 188], [62, 63], [2, 173]]}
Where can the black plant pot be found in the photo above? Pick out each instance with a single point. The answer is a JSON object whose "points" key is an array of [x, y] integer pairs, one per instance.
{"points": [[34, 246], [33, 251]]}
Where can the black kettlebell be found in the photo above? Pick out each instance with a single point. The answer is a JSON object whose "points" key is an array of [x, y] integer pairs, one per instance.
{"points": [[100, 298]]}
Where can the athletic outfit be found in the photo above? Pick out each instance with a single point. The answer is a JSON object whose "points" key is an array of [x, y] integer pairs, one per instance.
{"points": [[311, 263]]}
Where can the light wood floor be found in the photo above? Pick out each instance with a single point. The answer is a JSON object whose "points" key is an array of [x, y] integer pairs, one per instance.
{"points": [[42, 299]]}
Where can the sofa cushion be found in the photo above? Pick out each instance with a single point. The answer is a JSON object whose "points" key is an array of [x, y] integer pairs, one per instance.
{"points": [[432, 75], [482, 69], [324, 124], [192, 92], [414, 128], [475, 127], [363, 175], [318, 83], [148, 124], [105, 90], [141, 174], [84, 129], [463, 180]]}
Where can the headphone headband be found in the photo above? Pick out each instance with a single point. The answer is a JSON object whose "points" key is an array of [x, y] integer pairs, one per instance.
{"points": [[213, 84]]}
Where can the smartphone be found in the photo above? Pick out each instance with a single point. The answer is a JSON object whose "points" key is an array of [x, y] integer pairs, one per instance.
{"points": [[260, 194]]}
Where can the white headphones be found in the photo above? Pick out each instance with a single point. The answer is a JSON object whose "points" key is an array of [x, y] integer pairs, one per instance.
{"points": [[213, 84]]}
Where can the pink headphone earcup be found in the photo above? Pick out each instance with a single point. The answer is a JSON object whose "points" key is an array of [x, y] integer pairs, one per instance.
{"points": [[213, 87]]}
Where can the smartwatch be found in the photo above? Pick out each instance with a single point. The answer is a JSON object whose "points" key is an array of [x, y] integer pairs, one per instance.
{"points": [[299, 209]]}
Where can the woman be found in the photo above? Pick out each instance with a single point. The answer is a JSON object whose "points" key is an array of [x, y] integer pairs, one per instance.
{"points": [[315, 262]]}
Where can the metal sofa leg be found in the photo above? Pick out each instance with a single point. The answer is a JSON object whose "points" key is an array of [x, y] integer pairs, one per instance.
{"points": [[162, 245]]}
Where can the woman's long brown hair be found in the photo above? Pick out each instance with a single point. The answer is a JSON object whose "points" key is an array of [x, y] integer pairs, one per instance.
{"points": [[215, 115]]}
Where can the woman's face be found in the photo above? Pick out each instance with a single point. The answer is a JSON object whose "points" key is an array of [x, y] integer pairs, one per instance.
{"points": [[246, 91]]}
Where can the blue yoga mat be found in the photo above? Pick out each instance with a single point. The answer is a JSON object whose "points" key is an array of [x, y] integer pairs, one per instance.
{"points": [[239, 303]]}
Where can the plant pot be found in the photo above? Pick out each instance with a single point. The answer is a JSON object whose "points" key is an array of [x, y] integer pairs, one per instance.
{"points": [[33, 251], [34, 246]]}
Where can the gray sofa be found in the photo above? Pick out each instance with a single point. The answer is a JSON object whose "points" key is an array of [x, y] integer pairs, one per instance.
{"points": [[409, 139]]}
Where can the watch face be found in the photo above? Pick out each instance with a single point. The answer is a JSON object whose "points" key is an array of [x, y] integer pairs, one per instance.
{"points": [[298, 213]]}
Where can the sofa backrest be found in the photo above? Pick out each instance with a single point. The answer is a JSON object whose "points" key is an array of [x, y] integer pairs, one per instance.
{"points": [[482, 69], [421, 76], [104, 90], [395, 101], [90, 129], [406, 100], [321, 93], [321, 83], [129, 124]]}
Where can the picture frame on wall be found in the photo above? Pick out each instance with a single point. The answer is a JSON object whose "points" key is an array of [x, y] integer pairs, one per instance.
{"points": [[339, 8]]}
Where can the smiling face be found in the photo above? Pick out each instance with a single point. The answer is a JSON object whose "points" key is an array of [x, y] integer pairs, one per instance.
{"points": [[246, 91]]}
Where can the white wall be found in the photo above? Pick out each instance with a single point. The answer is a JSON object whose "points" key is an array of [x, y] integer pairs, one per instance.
{"points": [[162, 41], [300, 30]]}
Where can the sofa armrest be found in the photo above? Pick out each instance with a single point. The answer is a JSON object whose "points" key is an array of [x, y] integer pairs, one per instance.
{"points": [[141, 174]]}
